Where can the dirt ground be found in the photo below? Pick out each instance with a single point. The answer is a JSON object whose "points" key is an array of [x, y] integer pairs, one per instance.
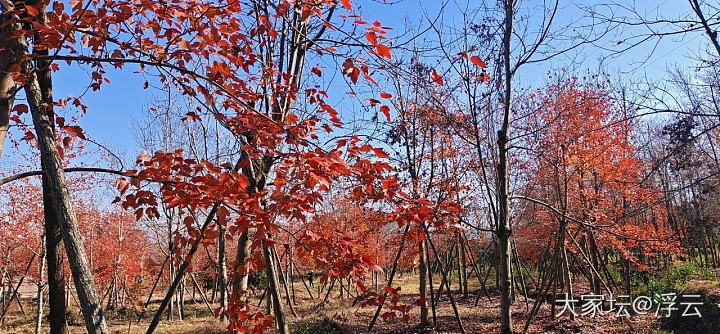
{"points": [[339, 315]]}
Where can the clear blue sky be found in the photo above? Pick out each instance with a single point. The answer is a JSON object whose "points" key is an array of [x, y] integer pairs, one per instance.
{"points": [[111, 109]]}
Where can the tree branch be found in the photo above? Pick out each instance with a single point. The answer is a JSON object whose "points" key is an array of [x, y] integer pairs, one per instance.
{"points": [[67, 170]]}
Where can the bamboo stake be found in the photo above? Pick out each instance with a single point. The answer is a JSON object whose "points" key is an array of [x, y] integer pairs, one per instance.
{"points": [[390, 279], [17, 287], [445, 278], [202, 293]]}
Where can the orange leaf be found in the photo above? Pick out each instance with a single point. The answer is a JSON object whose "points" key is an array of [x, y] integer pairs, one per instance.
{"points": [[477, 61]]}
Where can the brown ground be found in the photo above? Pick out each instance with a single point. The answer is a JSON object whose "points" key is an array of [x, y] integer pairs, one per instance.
{"points": [[339, 316]]}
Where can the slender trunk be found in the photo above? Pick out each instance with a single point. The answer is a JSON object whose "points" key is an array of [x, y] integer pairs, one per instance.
{"points": [[430, 281], [284, 282], [594, 257], [566, 276], [390, 277], [7, 84], [181, 269], [458, 257], [463, 264], [17, 287], [504, 230], [222, 275], [291, 274], [40, 288], [181, 299], [201, 293], [2, 296], [170, 279], [152, 290], [423, 285], [445, 278], [274, 291]]}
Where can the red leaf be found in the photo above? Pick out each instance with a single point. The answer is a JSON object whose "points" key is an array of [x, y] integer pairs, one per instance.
{"points": [[373, 102], [14, 68], [350, 70], [32, 11], [380, 153], [372, 38], [386, 111], [477, 61], [74, 130], [291, 118], [122, 185], [316, 71], [346, 4], [437, 78], [28, 136], [20, 108], [354, 74], [385, 95], [384, 51]]}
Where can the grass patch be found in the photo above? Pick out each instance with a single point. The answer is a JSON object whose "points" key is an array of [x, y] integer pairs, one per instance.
{"points": [[674, 279], [319, 327]]}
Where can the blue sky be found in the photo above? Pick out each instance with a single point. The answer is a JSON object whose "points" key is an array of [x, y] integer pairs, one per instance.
{"points": [[111, 109]]}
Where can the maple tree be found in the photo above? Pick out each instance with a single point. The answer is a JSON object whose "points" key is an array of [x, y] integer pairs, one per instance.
{"points": [[585, 188], [431, 177], [112, 37], [257, 152]]}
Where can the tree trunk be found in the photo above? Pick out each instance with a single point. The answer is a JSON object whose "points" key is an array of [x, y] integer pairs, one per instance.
{"points": [[7, 85], [284, 281], [40, 288], [222, 268], [53, 234], [240, 280], [428, 259], [458, 257], [463, 265], [423, 285], [566, 275], [171, 278], [181, 299], [504, 230], [291, 274], [274, 291], [82, 275], [2, 296]]}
